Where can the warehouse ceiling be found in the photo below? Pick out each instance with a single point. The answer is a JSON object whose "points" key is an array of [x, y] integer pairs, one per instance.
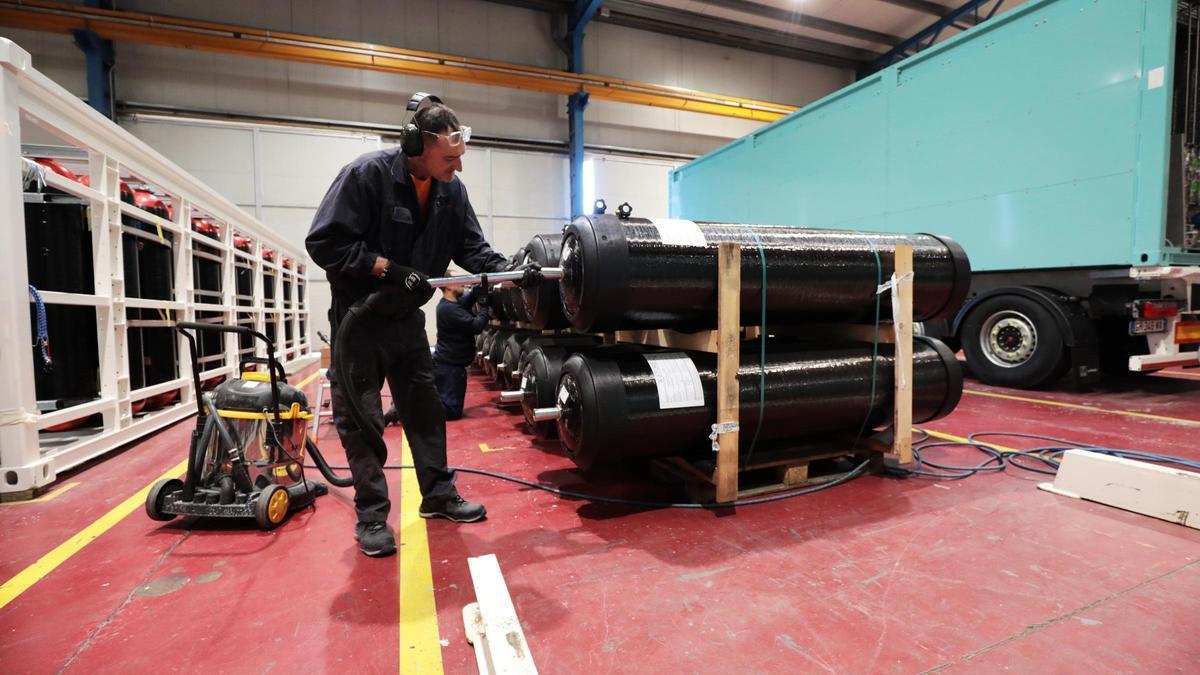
{"points": [[846, 33]]}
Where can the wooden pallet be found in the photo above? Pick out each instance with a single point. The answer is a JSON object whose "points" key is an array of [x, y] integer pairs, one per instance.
{"points": [[793, 471], [780, 468]]}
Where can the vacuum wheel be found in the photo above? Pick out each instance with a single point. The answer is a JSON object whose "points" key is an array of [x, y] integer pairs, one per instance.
{"points": [[155, 500], [271, 508]]}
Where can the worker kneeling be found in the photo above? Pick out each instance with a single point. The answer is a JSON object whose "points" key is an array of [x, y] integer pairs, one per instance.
{"points": [[390, 220], [457, 326]]}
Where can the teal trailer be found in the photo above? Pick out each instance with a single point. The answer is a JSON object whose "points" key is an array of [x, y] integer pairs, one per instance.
{"points": [[1059, 143]]}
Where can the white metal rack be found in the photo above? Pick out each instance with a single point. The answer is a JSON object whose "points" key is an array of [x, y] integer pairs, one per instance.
{"points": [[31, 456]]}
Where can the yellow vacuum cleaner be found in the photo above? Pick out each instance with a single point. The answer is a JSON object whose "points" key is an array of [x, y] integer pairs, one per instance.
{"points": [[246, 458]]}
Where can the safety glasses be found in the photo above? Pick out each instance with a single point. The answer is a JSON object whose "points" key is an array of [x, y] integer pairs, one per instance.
{"points": [[455, 138]]}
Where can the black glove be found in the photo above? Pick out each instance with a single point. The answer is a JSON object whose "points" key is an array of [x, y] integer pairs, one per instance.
{"points": [[533, 276], [468, 297], [409, 280], [483, 291]]}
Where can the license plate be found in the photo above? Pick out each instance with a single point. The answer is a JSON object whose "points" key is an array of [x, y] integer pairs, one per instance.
{"points": [[1144, 326]]}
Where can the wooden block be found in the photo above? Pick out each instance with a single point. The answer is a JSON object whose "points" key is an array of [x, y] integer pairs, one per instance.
{"points": [[703, 341], [729, 290], [498, 628], [793, 475], [1149, 489], [902, 412], [325, 357], [780, 487]]}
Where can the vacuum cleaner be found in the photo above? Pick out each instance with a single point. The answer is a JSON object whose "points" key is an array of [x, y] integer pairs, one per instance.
{"points": [[246, 458]]}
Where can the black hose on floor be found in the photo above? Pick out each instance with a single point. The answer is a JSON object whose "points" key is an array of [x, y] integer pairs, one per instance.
{"points": [[844, 478]]}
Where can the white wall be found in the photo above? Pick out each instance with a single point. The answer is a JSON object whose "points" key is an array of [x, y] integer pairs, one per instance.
{"points": [[640, 182]]}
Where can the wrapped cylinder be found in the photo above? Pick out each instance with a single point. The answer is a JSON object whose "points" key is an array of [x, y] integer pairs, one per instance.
{"points": [[539, 379], [480, 340], [511, 304], [639, 273], [496, 303], [518, 344], [514, 304], [616, 406], [542, 304], [495, 354], [498, 335]]}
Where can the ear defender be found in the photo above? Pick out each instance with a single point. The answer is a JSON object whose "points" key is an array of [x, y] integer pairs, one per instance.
{"points": [[412, 141]]}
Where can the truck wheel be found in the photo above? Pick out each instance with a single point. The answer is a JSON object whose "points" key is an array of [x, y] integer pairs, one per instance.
{"points": [[1011, 341]]}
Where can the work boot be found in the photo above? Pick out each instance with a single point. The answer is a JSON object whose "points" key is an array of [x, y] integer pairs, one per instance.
{"points": [[375, 539], [391, 417], [452, 507]]}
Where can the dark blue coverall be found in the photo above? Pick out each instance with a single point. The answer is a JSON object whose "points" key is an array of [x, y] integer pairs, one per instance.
{"points": [[372, 210], [456, 331]]}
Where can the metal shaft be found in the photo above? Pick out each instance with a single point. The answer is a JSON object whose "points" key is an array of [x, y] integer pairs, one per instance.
{"points": [[546, 414], [493, 277]]}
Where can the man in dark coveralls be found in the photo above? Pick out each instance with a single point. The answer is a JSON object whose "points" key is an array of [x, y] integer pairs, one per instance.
{"points": [[396, 217]]}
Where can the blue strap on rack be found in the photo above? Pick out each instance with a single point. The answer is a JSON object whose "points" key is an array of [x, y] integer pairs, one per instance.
{"points": [[43, 333]]}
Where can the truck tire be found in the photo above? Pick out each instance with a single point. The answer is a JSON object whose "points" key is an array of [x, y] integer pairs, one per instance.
{"points": [[1012, 341]]}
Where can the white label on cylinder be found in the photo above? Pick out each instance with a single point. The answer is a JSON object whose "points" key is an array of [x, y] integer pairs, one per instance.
{"points": [[562, 394], [524, 381], [677, 380], [679, 232]]}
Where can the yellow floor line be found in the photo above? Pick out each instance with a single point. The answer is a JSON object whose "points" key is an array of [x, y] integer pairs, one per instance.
{"points": [[420, 646], [312, 376], [1078, 406], [29, 576], [44, 498], [960, 439]]}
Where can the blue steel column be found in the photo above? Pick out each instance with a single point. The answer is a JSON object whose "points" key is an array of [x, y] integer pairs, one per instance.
{"points": [[581, 14], [100, 61], [928, 35]]}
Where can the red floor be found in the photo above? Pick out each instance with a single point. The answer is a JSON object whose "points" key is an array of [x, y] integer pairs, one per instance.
{"points": [[881, 574]]}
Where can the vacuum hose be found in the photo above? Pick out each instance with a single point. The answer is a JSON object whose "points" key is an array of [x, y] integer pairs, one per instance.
{"points": [[241, 475], [323, 466], [357, 312]]}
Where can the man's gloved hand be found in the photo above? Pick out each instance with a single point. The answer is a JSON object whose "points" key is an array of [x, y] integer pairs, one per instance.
{"points": [[411, 281], [532, 277], [483, 291], [469, 297]]}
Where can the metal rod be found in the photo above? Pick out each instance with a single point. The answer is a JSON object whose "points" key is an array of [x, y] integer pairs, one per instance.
{"points": [[513, 396], [551, 273], [546, 414]]}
